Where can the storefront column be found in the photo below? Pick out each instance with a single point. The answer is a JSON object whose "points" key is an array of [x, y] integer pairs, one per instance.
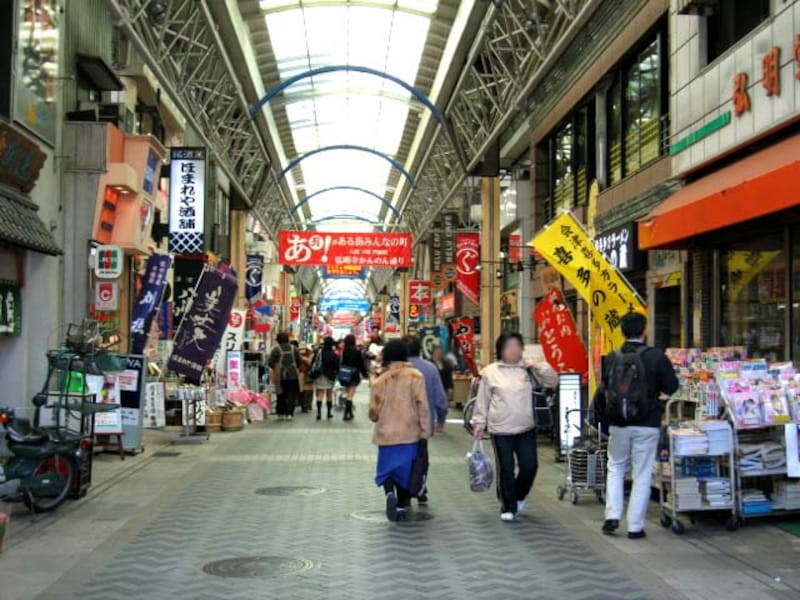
{"points": [[404, 302], [490, 249]]}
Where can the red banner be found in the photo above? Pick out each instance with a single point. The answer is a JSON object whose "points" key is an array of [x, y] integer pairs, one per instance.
{"points": [[464, 335], [468, 256], [294, 309], [559, 337], [447, 305], [420, 292], [336, 249]]}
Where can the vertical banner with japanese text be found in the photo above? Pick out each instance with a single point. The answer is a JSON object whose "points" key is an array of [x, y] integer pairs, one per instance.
{"points": [[436, 248], [200, 332], [464, 335], [566, 245], [468, 256], [144, 309], [432, 338], [10, 310], [186, 274], [254, 277], [187, 200], [559, 337]]}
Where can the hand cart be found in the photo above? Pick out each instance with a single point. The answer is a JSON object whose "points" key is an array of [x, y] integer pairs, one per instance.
{"points": [[585, 470], [689, 478]]}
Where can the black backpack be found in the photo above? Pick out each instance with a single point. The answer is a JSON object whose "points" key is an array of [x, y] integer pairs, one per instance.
{"points": [[627, 401]]}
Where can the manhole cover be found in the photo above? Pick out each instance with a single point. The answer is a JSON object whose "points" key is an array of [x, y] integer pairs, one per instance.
{"points": [[379, 516], [288, 490], [257, 566], [166, 454]]}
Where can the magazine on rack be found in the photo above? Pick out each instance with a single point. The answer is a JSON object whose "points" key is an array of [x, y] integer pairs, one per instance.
{"points": [[745, 404]]}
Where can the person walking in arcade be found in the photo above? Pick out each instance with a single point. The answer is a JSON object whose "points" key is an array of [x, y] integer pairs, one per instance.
{"points": [[284, 361], [325, 378], [351, 370]]}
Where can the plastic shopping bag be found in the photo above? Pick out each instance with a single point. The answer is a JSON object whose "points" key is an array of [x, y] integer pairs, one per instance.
{"points": [[481, 473]]}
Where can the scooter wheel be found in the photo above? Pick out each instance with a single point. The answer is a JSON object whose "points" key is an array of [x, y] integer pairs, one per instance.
{"points": [[63, 470]]}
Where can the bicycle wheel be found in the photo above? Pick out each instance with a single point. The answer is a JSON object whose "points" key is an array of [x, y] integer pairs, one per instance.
{"points": [[58, 466]]}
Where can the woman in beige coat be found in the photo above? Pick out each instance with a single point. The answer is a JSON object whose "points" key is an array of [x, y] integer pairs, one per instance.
{"points": [[505, 408], [399, 408]]}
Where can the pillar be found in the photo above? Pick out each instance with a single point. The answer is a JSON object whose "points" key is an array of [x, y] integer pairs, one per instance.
{"points": [[490, 284], [404, 302]]}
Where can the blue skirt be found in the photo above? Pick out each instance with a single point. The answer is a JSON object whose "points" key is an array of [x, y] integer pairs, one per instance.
{"points": [[395, 462]]}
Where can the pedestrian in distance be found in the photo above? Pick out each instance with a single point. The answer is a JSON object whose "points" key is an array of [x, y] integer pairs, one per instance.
{"points": [[353, 365], [325, 379], [434, 390], [629, 398], [284, 362], [399, 408], [445, 371], [504, 408]]}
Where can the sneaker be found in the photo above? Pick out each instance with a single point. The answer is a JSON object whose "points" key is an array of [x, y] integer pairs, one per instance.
{"points": [[391, 507], [610, 526], [521, 505], [402, 513], [289, 418], [508, 517], [637, 535]]}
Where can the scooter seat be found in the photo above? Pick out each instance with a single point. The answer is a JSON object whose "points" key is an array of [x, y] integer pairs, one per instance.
{"points": [[20, 431]]}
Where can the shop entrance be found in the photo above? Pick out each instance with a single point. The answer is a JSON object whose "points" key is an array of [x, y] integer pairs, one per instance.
{"points": [[667, 331]]}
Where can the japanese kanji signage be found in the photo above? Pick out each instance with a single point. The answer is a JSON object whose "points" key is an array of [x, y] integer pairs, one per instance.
{"points": [[741, 99], [10, 310], [200, 332], [185, 277], [468, 256], [343, 272], [20, 159], [559, 337], [234, 333], [187, 200], [420, 292], [357, 249], [566, 246], [333, 304], [144, 309], [620, 247], [464, 335], [254, 277], [446, 305], [294, 308]]}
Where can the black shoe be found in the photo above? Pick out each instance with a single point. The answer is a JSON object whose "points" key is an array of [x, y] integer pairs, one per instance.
{"points": [[637, 535], [319, 417], [391, 507], [610, 526], [423, 499]]}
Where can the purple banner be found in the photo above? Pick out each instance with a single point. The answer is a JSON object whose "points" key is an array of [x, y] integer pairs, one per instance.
{"points": [[186, 274], [203, 325], [155, 277]]}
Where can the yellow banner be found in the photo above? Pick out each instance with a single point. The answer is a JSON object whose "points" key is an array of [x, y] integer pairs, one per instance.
{"points": [[743, 266], [566, 246]]}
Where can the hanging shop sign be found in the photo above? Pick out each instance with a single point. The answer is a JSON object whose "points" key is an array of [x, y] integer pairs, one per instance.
{"points": [[233, 371], [187, 200], [202, 328], [295, 307], [620, 246], [394, 308], [358, 249], [343, 319], [468, 255], [109, 262], [414, 312], [144, 309], [343, 272], [446, 305], [106, 296], [10, 310], [21, 160], [565, 245], [327, 304], [420, 292], [154, 414], [432, 338], [436, 249], [131, 399], [107, 391], [150, 172], [558, 335], [449, 223], [464, 334], [254, 277], [508, 304], [449, 274], [186, 275], [233, 339], [515, 247]]}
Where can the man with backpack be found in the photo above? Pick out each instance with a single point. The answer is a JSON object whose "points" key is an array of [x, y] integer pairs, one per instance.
{"points": [[634, 378], [284, 361]]}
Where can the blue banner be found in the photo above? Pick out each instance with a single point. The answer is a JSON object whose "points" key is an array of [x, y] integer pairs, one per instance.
{"points": [[254, 277], [334, 304], [394, 308], [432, 338], [155, 277], [203, 326]]}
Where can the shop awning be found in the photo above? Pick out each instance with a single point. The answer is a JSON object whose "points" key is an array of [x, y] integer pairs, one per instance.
{"points": [[761, 184], [20, 225]]}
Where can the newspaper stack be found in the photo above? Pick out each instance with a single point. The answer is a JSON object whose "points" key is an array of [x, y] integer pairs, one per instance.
{"points": [[690, 441], [717, 493], [719, 434], [786, 496], [755, 502], [687, 494], [769, 456]]}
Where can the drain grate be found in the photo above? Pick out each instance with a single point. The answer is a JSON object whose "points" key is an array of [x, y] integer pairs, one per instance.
{"points": [[289, 490], [257, 566], [166, 454], [379, 516]]}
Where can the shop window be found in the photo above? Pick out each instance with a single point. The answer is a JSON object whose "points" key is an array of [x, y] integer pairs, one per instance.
{"points": [[730, 21], [6, 57], [572, 161], [614, 118], [563, 181], [754, 294], [643, 109]]}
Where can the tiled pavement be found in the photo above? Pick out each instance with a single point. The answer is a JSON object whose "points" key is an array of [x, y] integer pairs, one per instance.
{"points": [[150, 530]]}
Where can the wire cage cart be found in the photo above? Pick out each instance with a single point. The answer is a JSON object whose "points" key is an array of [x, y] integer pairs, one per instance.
{"points": [[699, 475], [585, 467]]}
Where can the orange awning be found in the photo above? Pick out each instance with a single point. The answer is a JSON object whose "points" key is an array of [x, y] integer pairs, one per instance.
{"points": [[761, 184]]}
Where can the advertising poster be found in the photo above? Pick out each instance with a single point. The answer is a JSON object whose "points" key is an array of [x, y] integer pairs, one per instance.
{"points": [[464, 335], [10, 310], [309, 248], [153, 412], [148, 300], [234, 371], [559, 337], [108, 422], [468, 256]]}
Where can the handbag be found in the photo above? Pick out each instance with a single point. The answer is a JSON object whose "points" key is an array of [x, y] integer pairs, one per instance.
{"points": [[419, 470], [316, 366], [481, 473], [347, 375], [542, 400]]}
